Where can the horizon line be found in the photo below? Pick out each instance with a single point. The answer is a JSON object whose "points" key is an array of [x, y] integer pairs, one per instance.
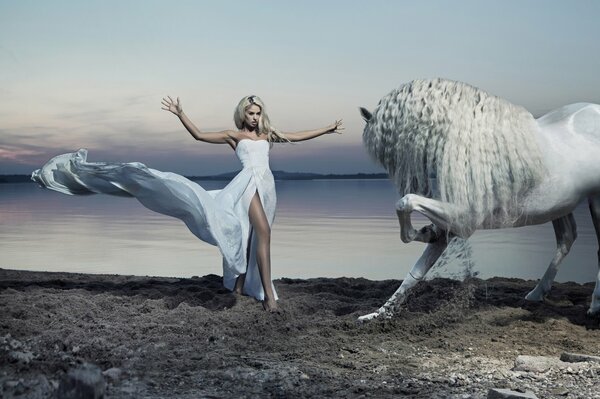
{"points": [[278, 174]]}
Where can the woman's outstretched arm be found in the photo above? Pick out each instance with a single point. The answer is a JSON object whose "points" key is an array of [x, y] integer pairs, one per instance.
{"points": [[311, 134], [222, 137]]}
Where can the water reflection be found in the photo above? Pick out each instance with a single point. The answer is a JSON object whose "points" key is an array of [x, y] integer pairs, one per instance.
{"points": [[322, 228]]}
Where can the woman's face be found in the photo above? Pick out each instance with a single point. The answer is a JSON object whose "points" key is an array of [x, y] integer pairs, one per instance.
{"points": [[252, 116]]}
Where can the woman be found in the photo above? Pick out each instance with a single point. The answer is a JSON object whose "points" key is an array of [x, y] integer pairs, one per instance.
{"points": [[237, 219]]}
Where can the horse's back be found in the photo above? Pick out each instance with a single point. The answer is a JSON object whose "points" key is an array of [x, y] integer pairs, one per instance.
{"points": [[570, 139], [579, 119]]}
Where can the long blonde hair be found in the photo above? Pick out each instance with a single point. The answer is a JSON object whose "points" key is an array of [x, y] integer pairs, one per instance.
{"points": [[264, 124]]}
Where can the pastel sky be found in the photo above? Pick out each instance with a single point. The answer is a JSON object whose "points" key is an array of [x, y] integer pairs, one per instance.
{"points": [[91, 73]]}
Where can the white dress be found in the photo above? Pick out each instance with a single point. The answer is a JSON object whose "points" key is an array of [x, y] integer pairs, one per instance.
{"points": [[218, 217]]}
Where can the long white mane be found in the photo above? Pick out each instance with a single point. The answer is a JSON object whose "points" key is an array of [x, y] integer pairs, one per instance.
{"points": [[451, 141]]}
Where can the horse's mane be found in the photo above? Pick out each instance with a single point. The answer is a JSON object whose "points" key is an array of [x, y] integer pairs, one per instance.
{"points": [[449, 140]]}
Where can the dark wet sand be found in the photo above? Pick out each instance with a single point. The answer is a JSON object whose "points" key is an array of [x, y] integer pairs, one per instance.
{"points": [[192, 338]]}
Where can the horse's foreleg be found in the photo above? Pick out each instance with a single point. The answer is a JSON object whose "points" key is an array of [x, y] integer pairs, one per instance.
{"points": [[441, 214], [565, 231], [416, 274], [595, 211]]}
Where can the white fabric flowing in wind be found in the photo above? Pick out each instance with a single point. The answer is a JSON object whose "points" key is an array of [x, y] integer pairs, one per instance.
{"points": [[218, 217]]}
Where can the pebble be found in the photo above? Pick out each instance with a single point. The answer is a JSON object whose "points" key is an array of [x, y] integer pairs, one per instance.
{"points": [[560, 391], [496, 393], [578, 357], [537, 364]]}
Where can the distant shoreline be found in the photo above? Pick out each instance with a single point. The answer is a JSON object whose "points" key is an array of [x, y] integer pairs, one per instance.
{"points": [[279, 175]]}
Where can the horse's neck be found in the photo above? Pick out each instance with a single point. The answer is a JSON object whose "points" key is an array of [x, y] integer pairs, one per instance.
{"points": [[569, 140]]}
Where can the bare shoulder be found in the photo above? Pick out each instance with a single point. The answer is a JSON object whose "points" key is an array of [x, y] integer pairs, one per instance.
{"points": [[231, 136], [228, 134], [236, 135], [285, 139]]}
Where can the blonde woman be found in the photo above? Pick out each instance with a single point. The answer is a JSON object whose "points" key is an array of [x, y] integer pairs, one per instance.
{"points": [[237, 218]]}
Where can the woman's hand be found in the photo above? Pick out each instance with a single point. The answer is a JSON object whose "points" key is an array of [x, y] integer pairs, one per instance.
{"points": [[335, 127], [172, 106]]}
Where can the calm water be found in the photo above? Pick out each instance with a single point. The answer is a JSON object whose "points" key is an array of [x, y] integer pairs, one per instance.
{"points": [[322, 228]]}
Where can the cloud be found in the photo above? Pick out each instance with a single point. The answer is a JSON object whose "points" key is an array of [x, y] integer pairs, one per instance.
{"points": [[17, 155]]}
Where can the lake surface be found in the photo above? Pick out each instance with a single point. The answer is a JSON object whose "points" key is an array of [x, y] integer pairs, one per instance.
{"points": [[323, 228]]}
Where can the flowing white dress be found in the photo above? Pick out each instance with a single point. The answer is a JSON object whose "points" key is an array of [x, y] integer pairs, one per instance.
{"points": [[218, 217]]}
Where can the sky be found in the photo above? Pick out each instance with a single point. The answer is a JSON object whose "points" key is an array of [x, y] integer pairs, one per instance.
{"points": [[91, 74]]}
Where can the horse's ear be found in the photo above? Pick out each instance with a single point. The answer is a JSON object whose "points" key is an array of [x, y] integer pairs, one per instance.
{"points": [[365, 114]]}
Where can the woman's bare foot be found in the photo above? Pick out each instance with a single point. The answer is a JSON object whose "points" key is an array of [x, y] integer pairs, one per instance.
{"points": [[239, 284], [270, 305]]}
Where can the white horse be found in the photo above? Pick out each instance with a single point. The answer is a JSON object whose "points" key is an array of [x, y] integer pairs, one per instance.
{"points": [[468, 160]]}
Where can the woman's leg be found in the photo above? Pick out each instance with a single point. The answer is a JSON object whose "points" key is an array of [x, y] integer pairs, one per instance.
{"points": [[239, 282], [261, 228]]}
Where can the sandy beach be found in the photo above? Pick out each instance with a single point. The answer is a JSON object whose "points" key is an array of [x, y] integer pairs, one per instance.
{"points": [[191, 338]]}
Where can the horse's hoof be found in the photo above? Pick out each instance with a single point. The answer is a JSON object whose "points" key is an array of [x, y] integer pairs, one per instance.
{"points": [[408, 236], [534, 296], [594, 311], [368, 317]]}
